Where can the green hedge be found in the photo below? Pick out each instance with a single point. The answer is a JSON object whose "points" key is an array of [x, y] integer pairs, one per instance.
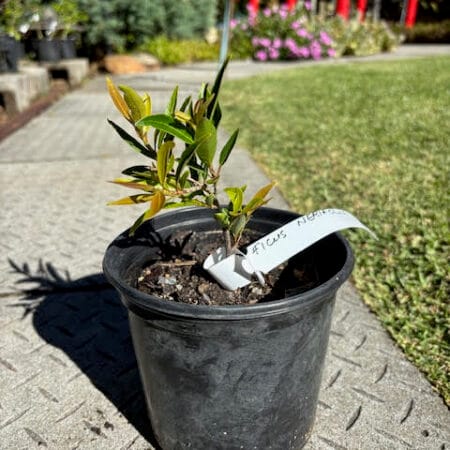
{"points": [[181, 50], [186, 19], [353, 38], [426, 33]]}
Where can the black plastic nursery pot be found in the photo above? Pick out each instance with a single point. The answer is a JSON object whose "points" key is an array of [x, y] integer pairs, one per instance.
{"points": [[228, 377], [3, 62], [47, 50], [67, 49], [10, 52]]}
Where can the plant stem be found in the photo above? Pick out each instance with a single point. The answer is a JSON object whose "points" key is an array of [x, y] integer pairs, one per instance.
{"points": [[227, 237]]}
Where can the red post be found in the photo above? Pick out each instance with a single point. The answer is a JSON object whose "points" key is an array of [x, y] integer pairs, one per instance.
{"points": [[343, 8], [362, 6], [290, 4], [411, 13], [253, 6]]}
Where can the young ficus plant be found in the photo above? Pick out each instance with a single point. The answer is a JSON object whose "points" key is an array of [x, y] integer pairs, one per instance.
{"points": [[190, 177]]}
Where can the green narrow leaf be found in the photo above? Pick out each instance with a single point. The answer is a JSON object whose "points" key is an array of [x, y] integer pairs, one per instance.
{"points": [[219, 77], [206, 141], [216, 88], [182, 203], [132, 142], [185, 104], [191, 109], [182, 117], [253, 205], [217, 115], [211, 200], [134, 102], [117, 99], [137, 224], [201, 107], [199, 110], [168, 124], [237, 226], [172, 105], [158, 201], [156, 204], [161, 137], [171, 161], [236, 196], [148, 105], [259, 199], [223, 218], [228, 147], [182, 180], [132, 199], [198, 172], [184, 160], [141, 172], [262, 193], [162, 161], [134, 184], [203, 94]]}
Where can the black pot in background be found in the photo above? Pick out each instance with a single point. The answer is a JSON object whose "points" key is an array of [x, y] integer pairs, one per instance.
{"points": [[47, 50], [228, 377], [68, 49], [3, 53], [10, 53]]}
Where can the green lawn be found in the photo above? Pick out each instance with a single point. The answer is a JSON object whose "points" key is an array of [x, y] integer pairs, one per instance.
{"points": [[374, 139]]}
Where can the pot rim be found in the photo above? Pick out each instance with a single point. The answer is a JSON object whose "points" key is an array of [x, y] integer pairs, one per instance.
{"points": [[137, 300]]}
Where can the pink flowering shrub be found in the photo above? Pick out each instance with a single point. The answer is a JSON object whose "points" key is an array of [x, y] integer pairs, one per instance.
{"points": [[279, 34]]}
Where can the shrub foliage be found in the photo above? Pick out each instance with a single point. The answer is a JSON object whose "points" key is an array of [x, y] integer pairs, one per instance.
{"points": [[125, 24], [278, 34]]}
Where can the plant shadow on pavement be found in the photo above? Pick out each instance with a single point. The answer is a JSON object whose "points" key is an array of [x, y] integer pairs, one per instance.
{"points": [[85, 319]]}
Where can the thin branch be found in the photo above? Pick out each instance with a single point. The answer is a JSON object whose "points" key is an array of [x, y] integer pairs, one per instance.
{"points": [[228, 246]]}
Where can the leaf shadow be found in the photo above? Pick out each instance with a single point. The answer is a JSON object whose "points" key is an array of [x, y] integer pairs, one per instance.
{"points": [[85, 319]]}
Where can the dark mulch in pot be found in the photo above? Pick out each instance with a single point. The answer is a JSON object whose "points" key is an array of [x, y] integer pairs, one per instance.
{"points": [[181, 278]]}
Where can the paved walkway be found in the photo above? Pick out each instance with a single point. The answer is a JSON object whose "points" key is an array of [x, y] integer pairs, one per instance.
{"points": [[68, 377]]}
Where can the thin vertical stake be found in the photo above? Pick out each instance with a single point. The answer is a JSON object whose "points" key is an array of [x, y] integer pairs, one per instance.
{"points": [[225, 32], [403, 14]]}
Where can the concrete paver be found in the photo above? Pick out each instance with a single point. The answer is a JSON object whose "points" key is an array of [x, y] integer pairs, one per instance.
{"points": [[68, 377]]}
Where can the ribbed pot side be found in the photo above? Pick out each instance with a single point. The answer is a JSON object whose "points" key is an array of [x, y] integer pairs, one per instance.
{"points": [[228, 377]]}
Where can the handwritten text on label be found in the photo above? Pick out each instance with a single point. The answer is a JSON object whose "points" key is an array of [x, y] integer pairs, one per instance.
{"points": [[268, 252]]}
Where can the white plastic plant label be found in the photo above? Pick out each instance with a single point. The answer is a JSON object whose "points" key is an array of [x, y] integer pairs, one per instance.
{"points": [[265, 254]]}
